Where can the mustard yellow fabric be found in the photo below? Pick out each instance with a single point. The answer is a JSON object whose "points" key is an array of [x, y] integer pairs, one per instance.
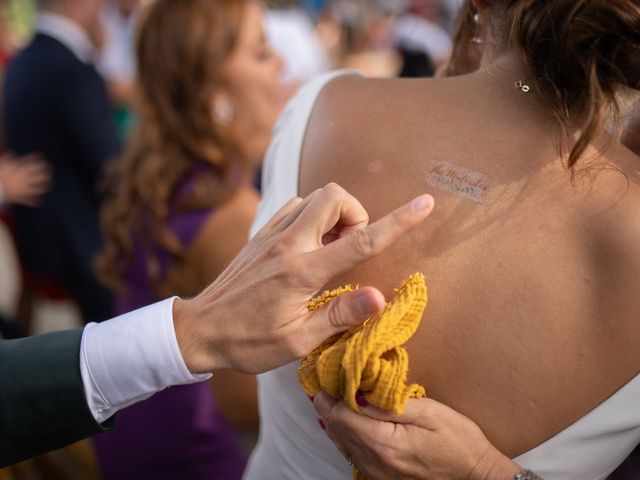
{"points": [[369, 357]]}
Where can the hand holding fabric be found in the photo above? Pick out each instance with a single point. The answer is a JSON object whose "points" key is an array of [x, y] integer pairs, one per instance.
{"points": [[429, 441]]}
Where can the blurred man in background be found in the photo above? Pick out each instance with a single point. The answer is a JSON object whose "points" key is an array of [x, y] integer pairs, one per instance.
{"points": [[56, 104]]}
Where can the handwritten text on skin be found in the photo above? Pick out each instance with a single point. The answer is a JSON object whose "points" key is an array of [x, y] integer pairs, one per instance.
{"points": [[458, 180]]}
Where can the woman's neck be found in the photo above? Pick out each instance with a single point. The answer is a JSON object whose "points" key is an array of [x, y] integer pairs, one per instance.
{"points": [[504, 60]]}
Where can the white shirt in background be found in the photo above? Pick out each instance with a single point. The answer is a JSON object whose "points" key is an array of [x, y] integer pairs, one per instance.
{"points": [[416, 33], [292, 35], [452, 7], [117, 59]]}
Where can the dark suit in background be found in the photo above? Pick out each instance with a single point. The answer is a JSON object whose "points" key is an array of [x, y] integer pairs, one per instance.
{"points": [[57, 105]]}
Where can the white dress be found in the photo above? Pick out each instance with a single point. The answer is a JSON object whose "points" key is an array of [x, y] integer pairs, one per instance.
{"points": [[292, 446]]}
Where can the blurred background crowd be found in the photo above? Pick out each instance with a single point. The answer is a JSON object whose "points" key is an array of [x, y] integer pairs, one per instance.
{"points": [[132, 134]]}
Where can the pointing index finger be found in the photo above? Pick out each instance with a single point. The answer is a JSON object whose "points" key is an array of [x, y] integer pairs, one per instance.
{"points": [[363, 244]]}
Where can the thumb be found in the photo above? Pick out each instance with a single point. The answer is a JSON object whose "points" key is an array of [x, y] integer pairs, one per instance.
{"points": [[343, 312]]}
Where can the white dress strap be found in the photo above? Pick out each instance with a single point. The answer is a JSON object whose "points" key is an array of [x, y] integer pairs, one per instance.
{"points": [[281, 165]]}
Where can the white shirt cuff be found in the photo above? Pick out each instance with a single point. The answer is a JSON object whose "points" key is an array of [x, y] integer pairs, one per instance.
{"points": [[129, 358]]}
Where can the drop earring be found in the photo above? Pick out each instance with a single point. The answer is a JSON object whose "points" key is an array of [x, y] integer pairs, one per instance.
{"points": [[223, 111], [477, 39]]}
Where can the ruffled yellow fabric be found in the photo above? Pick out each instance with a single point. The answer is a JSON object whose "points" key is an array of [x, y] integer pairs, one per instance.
{"points": [[370, 357]]}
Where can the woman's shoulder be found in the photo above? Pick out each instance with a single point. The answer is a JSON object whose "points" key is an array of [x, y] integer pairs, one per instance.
{"points": [[358, 122], [347, 95], [613, 180], [613, 218], [352, 92], [617, 220], [228, 216]]}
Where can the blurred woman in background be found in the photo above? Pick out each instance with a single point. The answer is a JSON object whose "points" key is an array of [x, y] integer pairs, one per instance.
{"points": [[182, 203]]}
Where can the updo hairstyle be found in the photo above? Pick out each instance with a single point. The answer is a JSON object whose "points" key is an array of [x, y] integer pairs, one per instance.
{"points": [[580, 53]]}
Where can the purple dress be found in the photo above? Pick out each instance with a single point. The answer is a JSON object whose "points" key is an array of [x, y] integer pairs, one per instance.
{"points": [[178, 434]]}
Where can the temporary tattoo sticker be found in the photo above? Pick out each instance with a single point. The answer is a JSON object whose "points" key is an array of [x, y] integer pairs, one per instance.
{"points": [[458, 180]]}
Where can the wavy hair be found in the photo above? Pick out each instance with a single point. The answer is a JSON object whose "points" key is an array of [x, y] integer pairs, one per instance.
{"points": [[181, 47]]}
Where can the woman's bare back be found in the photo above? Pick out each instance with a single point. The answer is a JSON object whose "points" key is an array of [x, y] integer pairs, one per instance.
{"points": [[532, 318]]}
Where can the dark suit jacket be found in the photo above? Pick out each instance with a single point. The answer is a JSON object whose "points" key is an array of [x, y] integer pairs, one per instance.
{"points": [[42, 402], [57, 105]]}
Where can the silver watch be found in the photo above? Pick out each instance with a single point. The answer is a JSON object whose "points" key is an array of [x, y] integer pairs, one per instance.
{"points": [[526, 475]]}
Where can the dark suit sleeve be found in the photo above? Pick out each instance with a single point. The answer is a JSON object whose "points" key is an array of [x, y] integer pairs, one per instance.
{"points": [[42, 401]]}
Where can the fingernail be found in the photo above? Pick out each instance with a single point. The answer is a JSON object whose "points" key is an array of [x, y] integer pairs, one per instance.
{"points": [[365, 304], [360, 400], [322, 425], [421, 203]]}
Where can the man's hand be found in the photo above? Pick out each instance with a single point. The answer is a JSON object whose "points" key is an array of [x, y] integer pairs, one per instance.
{"points": [[430, 441], [254, 317]]}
